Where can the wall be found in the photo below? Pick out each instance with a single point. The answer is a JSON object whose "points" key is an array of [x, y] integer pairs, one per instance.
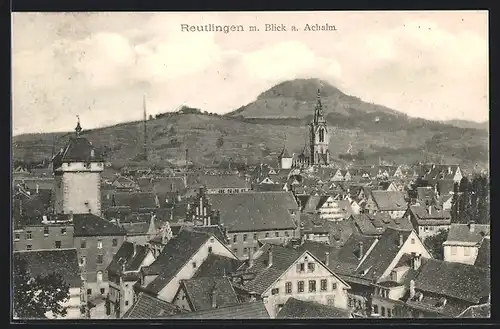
{"points": [[390, 308], [286, 163], [180, 300], [318, 237], [459, 256], [225, 190], [431, 230], [168, 292], [336, 297], [331, 211], [40, 241], [238, 247]]}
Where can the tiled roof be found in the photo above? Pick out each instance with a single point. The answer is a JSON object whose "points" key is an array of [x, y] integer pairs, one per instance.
{"points": [[168, 184], [461, 281], [212, 229], [445, 186], [174, 256], [375, 224], [345, 260], [483, 258], [425, 193], [464, 233], [299, 309], [78, 149], [149, 307], [318, 249], [132, 229], [251, 310], [437, 216], [218, 266], [44, 262], [92, 225], [135, 200], [200, 291], [383, 253], [125, 255], [217, 181], [247, 212], [389, 200]]}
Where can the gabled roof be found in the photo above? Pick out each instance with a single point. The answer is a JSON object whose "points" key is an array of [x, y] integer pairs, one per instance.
{"points": [[212, 229], [461, 281], [125, 255], [251, 310], [168, 184], [375, 224], [45, 262], [149, 307], [217, 266], [92, 225], [200, 290], [284, 153], [389, 200], [299, 309], [174, 256], [346, 259], [247, 212], [437, 216], [135, 200], [382, 254], [445, 186], [466, 233]]}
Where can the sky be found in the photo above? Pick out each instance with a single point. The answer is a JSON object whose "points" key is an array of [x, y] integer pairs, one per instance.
{"points": [[99, 66]]}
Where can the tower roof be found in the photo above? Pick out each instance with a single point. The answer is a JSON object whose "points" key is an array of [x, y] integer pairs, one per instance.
{"points": [[284, 153], [318, 110]]}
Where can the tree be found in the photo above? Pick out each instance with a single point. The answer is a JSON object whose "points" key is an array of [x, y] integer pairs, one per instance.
{"points": [[434, 243], [220, 142], [33, 297], [454, 204], [464, 201]]}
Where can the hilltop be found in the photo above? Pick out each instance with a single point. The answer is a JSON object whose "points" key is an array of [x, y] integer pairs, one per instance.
{"points": [[250, 134]]}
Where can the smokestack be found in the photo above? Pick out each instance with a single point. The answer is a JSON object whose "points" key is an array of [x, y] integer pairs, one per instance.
{"points": [[327, 258], [360, 250], [401, 240], [412, 288], [270, 262]]}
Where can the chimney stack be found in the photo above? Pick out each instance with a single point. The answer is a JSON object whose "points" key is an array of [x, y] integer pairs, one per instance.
{"points": [[37, 187], [123, 267], [360, 250], [135, 248], [327, 259], [472, 226], [71, 216], [92, 153], [401, 240], [416, 261], [214, 297], [430, 209], [412, 289], [270, 262], [250, 258]]}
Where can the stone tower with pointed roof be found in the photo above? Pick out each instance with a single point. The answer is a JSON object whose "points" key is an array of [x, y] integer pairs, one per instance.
{"points": [[285, 159], [319, 136], [77, 170]]}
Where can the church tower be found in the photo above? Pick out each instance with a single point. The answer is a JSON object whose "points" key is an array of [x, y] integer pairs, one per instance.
{"points": [[77, 170], [319, 137]]}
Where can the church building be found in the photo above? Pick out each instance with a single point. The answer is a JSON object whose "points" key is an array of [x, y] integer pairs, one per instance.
{"points": [[316, 153]]}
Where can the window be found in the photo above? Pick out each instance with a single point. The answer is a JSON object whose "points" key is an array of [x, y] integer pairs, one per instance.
{"points": [[267, 234], [58, 244], [63, 231], [310, 267], [245, 237], [46, 231], [300, 267], [235, 250], [194, 264], [466, 251], [321, 135], [426, 229], [312, 285], [28, 247], [245, 251], [287, 234], [212, 240], [115, 242], [255, 236], [126, 303], [382, 311], [277, 234], [453, 250], [235, 237], [99, 276], [82, 260], [275, 291], [17, 237], [331, 301], [28, 235], [375, 309], [412, 241], [300, 286], [99, 244], [100, 259], [389, 315], [324, 283], [334, 285], [210, 249], [83, 244], [288, 287]]}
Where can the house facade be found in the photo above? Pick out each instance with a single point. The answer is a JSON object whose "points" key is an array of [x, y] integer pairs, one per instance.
{"points": [[464, 241]]}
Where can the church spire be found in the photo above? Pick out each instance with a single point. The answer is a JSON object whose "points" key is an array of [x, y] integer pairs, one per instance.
{"points": [[318, 111], [78, 128]]}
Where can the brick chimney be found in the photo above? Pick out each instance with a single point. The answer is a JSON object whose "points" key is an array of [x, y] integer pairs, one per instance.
{"points": [[37, 187], [472, 226], [123, 267], [92, 153], [214, 296], [412, 288], [270, 262], [250, 257], [70, 216], [401, 240], [416, 261], [361, 251], [135, 248], [430, 209], [327, 258]]}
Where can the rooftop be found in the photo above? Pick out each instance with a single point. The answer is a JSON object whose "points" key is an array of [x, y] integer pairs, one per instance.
{"points": [[200, 291], [251, 310], [299, 309], [149, 307]]}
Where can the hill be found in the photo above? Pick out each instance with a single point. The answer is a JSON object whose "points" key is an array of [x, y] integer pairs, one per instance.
{"points": [[373, 131], [469, 124]]}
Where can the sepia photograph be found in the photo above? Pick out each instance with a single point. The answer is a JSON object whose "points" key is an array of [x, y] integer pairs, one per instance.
{"points": [[250, 165]]}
